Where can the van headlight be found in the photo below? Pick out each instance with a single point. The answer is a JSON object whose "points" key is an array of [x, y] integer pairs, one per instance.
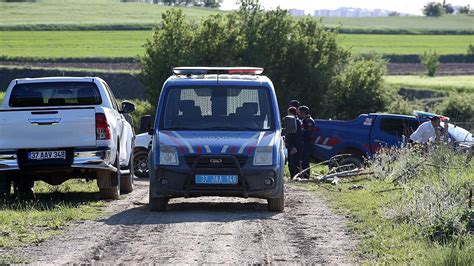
{"points": [[168, 155], [263, 156]]}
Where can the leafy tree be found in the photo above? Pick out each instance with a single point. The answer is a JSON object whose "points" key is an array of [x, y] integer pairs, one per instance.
{"points": [[459, 107], [433, 9], [300, 56], [431, 61], [465, 9], [470, 49], [169, 47], [359, 89]]}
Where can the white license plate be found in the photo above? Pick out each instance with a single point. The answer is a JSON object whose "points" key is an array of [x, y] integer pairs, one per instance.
{"points": [[217, 179], [46, 155]]}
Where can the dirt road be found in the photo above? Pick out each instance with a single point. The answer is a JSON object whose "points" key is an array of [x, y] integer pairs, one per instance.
{"points": [[203, 230]]}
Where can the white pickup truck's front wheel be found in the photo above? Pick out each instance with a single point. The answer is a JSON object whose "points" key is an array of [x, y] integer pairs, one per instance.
{"points": [[126, 180]]}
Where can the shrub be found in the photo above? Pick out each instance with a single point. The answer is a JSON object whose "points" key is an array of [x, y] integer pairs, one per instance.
{"points": [[435, 184], [300, 56], [2, 94], [470, 49], [459, 107], [433, 9], [358, 89], [430, 61]]}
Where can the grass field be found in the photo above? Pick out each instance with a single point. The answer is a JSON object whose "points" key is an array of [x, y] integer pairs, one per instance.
{"points": [[93, 13], [64, 44], [87, 13], [442, 83], [382, 212], [27, 221]]}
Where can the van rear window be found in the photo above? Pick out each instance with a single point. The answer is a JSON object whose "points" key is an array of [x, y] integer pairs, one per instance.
{"points": [[54, 94]]}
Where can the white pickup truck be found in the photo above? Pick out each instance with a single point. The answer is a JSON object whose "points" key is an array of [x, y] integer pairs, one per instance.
{"points": [[59, 128]]}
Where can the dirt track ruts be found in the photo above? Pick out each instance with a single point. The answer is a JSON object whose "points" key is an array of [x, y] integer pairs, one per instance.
{"points": [[203, 230]]}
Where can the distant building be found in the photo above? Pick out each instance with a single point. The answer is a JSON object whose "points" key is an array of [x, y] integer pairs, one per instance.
{"points": [[296, 12], [354, 12]]}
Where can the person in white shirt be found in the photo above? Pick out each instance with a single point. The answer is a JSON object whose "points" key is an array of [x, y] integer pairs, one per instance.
{"points": [[426, 131]]}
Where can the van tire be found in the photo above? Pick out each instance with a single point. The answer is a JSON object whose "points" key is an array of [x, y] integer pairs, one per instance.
{"points": [[126, 181], [157, 204]]}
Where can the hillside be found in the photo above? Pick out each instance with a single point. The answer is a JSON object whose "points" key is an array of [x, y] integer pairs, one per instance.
{"points": [[113, 14]]}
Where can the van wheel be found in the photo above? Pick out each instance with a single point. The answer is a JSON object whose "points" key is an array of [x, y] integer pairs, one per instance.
{"points": [[276, 205], [5, 186], [157, 204], [350, 163], [126, 181]]}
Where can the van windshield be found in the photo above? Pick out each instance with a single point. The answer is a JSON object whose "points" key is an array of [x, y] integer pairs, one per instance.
{"points": [[217, 108]]}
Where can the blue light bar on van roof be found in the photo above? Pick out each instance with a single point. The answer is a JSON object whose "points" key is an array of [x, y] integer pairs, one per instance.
{"points": [[217, 70]]}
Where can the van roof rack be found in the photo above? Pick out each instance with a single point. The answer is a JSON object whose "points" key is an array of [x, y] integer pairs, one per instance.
{"points": [[217, 70]]}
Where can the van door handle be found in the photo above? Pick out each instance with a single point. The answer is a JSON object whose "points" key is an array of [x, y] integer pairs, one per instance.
{"points": [[44, 121]]}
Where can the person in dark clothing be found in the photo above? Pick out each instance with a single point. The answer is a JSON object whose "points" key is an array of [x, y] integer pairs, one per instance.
{"points": [[294, 143], [296, 104], [308, 126]]}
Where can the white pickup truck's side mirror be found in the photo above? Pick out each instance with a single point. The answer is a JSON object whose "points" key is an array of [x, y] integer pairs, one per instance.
{"points": [[127, 107]]}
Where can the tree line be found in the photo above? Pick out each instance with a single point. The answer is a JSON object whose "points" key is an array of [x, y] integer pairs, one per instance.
{"points": [[304, 60], [201, 3]]}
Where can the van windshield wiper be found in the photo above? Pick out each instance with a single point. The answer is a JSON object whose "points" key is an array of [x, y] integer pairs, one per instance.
{"points": [[181, 128], [232, 128]]}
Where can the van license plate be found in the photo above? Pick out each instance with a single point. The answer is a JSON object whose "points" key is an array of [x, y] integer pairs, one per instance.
{"points": [[217, 179], [46, 155]]}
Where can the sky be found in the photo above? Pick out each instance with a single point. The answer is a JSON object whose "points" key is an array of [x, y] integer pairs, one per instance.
{"points": [[405, 6]]}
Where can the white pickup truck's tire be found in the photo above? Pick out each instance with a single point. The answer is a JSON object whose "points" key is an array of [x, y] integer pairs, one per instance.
{"points": [[126, 181], [114, 191], [109, 193], [140, 163]]}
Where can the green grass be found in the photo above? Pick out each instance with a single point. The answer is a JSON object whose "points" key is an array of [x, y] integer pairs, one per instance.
{"points": [[388, 239], [63, 44], [2, 94], [115, 44], [414, 24], [89, 14], [441, 83], [408, 44], [31, 221]]}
